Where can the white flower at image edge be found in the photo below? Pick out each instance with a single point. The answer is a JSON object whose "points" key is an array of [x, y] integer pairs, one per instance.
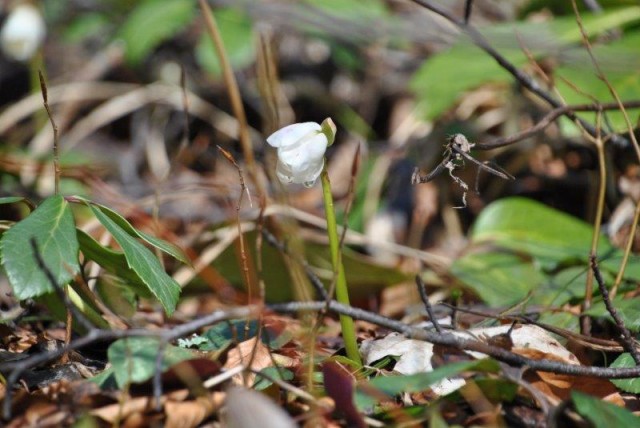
{"points": [[301, 149], [22, 32]]}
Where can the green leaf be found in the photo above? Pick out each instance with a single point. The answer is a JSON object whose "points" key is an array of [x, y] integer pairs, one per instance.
{"points": [[500, 279], [525, 225], [394, 385], [53, 228], [11, 199], [628, 309], [627, 385], [134, 359], [444, 77], [223, 334], [151, 23], [236, 31], [602, 414], [144, 263], [169, 248], [114, 262], [277, 373]]}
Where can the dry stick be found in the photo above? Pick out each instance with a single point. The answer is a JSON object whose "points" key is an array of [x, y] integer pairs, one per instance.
{"points": [[604, 79], [627, 341], [627, 251], [56, 157], [549, 118], [16, 368], [525, 80], [234, 94], [422, 289], [448, 339]]}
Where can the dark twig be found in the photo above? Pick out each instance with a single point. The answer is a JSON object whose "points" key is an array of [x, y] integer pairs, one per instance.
{"points": [[626, 340], [57, 288], [468, 6], [548, 120], [422, 289], [56, 155], [448, 339], [523, 78], [16, 368]]}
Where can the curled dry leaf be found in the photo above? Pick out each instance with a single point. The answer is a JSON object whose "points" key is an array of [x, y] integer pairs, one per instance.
{"points": [[189, 414], [253, 354]]}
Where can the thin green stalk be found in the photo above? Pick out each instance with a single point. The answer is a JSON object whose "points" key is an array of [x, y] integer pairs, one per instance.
{"points": [[342, 293]]}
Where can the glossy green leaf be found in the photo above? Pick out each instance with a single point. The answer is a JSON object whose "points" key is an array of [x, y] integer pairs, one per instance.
{"points": [[133, 359], [525, 225], [602, 414], [151, 23], [236, 31], [394, 385], [169, 248], [11, 199], [627, 385], [498, 278], [114, 262], [143, 262], [53, 228]]}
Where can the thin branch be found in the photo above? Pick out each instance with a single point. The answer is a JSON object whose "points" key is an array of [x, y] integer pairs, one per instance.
{"points": [[523, 78], [422, 289], [57, 288], [627, 250], [449, 339], [16, 368], [56, 154], [549, 118], [627, 341]]}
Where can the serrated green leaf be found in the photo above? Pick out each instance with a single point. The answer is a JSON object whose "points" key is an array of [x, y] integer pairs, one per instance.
{"points": [[53, 228], [151, 23], [143, 262], [133, 359], [627, 385], [114, 262], [602, 414], [167, 247]]}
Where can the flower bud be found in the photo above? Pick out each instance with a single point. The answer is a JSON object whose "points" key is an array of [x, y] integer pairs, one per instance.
{"points": [[23, 32], [301, 149]]}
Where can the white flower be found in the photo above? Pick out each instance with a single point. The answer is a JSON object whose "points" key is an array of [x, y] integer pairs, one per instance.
{"points": [[301, 148], [23, 32]]}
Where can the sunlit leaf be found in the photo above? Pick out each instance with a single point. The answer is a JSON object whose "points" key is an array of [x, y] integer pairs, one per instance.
{"points": [[53, 228]]}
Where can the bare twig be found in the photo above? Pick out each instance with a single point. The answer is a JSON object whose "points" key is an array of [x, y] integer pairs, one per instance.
{"points": [[16, 368], [449, 339], [56, 155], [234, 94], [58, 289], [627, 250], [422, 289], [523, 78], [626, 340]]}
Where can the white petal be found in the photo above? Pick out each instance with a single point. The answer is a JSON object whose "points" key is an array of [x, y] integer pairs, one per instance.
{"points": [[22, 33], [308, 151], [284, 173], [310, 175], [291, 134]]}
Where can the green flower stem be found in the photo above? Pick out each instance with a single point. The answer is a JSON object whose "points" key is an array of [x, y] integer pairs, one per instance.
{"points": [[342, 293]]}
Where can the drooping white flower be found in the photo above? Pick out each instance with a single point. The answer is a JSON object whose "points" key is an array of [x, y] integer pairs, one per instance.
{"points": [[301, 149], [22, 32]]}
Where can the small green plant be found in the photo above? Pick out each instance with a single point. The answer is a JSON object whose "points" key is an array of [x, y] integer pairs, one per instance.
{"points": [[65, 250]]}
